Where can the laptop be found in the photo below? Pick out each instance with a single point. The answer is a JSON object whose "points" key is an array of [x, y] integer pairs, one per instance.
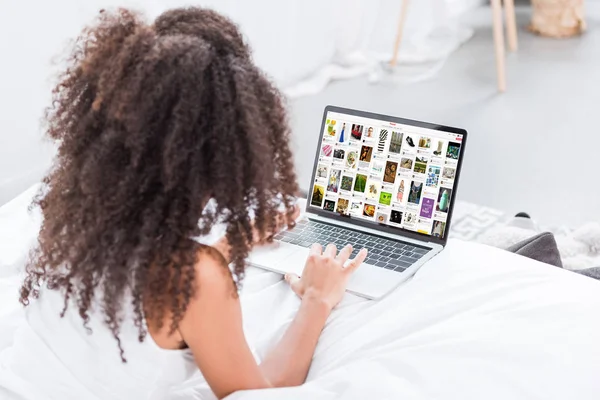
{"points": [[381, 182]]}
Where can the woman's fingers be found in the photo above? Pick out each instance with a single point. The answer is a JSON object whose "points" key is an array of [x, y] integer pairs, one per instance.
{"points": [[330, 250], [316, 249], [345, 253], [353, 264]]}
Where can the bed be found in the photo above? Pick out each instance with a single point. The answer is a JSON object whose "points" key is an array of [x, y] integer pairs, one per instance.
{"points": [[474, 323]]}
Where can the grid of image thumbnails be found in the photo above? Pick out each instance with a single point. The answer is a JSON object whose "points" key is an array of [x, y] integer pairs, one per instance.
{"points": [[386, 175]]}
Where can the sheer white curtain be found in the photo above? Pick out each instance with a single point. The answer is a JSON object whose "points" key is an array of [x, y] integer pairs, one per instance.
{"points": [[364, 37]]}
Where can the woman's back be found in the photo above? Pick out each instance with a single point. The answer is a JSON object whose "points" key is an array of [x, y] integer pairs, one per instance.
{"points": [[56, 358]]}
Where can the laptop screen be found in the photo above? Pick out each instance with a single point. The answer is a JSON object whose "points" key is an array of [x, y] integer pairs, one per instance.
{"points": [[386, 173]]}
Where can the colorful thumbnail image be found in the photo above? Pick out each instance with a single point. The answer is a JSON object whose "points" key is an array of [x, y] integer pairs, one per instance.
{"points": [[400, 192], [317, 195], [329, 205], [322, 171], [343, 133], [334, 180], [360, 183], [339, 153], [420, 165], [369, 210], [438, 151], [326, 150], [390, 172], [365, 153], [385, 198], [369, 132], [372, 192], [382, 218], [396, 217], [425, 142], [438, 229], [357, 131], [427, 207], [414, 195], [433, 176], [346, 183], [449, 173], [410, 218], [351, 159], [383, 135], [453, 150], [406, 163], [343, 206], [356, 208], [443, 201], [377, 167], [396, 142], [330, 123]]}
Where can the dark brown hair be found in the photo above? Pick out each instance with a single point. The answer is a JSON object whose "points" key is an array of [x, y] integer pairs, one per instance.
{"points": [[152, 121]]}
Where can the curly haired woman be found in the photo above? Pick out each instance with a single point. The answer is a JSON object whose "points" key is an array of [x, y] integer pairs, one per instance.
{"points": [[164, 130]]}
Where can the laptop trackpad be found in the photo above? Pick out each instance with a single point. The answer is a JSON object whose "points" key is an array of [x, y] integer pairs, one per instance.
{"points": [[279, 257], [296, 261], [271, 254]]}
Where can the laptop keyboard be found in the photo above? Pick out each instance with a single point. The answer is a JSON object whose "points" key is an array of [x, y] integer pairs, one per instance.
{"points": [[383, 252]]}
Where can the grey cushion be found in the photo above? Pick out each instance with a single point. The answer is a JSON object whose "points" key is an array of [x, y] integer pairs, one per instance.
{"points": [[540, 247], [591, 272], [543, 248]]}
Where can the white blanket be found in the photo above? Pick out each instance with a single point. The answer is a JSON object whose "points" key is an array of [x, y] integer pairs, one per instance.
{"points": [[476, 322]]}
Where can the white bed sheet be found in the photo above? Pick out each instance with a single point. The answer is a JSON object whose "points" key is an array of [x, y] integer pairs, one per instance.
{"points": [[476, 322]]}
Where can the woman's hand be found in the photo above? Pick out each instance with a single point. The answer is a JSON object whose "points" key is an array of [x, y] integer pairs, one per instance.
{"points": [[326, 275]]}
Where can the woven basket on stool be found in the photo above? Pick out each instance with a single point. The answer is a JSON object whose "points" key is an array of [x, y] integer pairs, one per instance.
{"points": [[557, 18]]}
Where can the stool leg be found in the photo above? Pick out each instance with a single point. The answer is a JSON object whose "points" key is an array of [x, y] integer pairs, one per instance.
{"points": [[511, 24], [401, 22], [499, 44]]}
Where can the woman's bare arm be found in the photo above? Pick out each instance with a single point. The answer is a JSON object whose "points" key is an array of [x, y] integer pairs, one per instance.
{"points": [[288, 363], [321, 288], [212, 328], [212, 325]]}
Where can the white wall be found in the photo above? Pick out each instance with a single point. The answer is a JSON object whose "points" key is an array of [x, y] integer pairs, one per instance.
{"points": [[24, 91], [32, 36]]}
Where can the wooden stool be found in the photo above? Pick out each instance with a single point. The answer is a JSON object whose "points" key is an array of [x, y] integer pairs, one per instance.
{"points": [[511, 27]]}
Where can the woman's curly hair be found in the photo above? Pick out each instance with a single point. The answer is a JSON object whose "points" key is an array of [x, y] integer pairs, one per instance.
{"points": [[152, 122]]}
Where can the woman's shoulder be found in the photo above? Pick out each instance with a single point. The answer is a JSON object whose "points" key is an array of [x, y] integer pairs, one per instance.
{"points": [[212, 271]]}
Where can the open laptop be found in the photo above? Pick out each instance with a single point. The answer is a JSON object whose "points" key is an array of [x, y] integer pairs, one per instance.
{"points": [[380, 182]]}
